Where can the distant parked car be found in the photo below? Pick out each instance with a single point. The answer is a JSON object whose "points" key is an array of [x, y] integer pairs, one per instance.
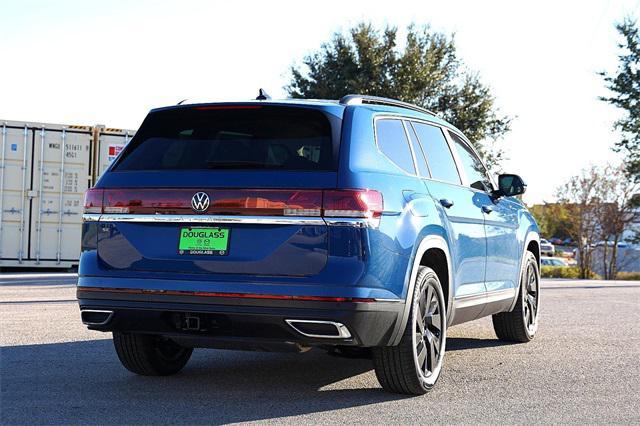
{"points": [[553, 261], [546, 248], [555, 241], [611, 243], [568, 242]]}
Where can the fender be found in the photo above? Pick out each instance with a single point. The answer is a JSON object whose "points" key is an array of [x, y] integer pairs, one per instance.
{"points": [[531, 236], [428, 242]]}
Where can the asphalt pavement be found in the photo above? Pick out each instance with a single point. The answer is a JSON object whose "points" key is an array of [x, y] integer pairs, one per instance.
{"points": [[582, 367]]}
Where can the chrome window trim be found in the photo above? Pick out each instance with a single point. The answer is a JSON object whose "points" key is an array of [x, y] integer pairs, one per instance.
{"points": [[223, 219], [375, 141], [466, 142]]}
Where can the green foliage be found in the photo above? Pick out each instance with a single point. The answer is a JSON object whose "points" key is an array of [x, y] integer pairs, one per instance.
{"points": [[625, 85], [568, 272], [427, 72], [628, 276], [554, 220]]}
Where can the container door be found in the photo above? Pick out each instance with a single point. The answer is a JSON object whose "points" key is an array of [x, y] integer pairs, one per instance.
{"points": [[109, 146], [60, 178], [15, 180]]}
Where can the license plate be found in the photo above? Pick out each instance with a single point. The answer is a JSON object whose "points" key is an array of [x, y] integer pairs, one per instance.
{"points": [[207, 241]]}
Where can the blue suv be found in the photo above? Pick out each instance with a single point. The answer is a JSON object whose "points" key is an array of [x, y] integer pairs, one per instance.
{"points": [[359, 225]]}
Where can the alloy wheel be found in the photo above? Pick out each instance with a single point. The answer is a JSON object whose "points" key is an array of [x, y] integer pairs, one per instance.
{"points": [[429, 332]]}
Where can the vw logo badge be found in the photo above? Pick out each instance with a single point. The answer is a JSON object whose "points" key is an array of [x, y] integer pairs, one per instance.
{"points": [[200, 202]]}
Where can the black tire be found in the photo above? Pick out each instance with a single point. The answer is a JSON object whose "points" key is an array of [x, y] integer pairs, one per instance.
{"points": [[398, 368], [520, 325], [149, 355]]}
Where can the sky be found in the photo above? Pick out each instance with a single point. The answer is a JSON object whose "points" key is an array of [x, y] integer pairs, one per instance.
{"points": [[109, 62]]}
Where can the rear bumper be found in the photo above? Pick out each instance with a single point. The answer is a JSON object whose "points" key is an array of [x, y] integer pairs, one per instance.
{"points": [[241, 323]]}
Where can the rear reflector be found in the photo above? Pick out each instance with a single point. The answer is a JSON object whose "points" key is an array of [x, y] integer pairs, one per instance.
{"points": [[248, 202], [229, 295]]}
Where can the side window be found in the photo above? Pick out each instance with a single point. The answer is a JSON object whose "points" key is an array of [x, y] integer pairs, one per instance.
{"points": [[473, 167], [438, 154], [417, 151], [393, 143]]}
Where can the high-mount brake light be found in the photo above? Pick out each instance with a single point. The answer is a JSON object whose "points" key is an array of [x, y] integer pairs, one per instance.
{"points": [[364, 203], [93, 200]]}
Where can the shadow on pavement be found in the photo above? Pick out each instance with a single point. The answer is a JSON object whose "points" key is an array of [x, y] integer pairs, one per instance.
{"points": [[463, 343], [83, 382]]}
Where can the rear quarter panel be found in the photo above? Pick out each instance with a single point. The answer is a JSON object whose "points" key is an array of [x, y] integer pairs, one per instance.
{"points": [[404, 223]]}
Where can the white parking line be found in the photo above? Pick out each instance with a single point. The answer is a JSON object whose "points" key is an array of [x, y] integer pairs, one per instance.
{"points": [[29, 276]]}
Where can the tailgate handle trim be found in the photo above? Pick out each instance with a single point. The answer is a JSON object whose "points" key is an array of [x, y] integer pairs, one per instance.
{"points": [[221, 219], [200, 218]]}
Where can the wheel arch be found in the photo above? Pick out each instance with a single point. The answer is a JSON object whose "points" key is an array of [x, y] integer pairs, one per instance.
{"points": [[433, 251], [532, 244]]}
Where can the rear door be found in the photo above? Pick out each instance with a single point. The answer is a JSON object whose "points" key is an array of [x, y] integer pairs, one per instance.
{"points": [[462, 207], [61, 173], [501, 224], [15, 183], [222, 189]]}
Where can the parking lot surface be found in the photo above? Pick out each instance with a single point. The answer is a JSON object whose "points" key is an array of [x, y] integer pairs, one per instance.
{"points": [[583, 367]]}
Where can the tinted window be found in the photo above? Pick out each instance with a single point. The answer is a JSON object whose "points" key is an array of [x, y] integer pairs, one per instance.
{"points": [[417, 150], [231, 137], [476, 172], [392, 141], [438, 154]]}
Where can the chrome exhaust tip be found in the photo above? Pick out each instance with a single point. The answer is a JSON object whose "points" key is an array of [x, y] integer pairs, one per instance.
{"points": [[320, 329], [95, 316]]}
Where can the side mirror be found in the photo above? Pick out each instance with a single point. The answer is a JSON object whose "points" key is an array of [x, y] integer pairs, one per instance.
{"points": [[510, 185]]}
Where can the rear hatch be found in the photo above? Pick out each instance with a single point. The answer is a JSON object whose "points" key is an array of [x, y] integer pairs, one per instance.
{"points": [[221, 189]]}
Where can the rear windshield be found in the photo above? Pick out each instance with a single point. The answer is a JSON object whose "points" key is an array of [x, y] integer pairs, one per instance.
{"points": [[232, 137]]}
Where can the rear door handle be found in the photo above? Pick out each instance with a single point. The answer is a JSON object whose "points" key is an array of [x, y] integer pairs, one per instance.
{"points": [[487, 209], [446, 203]]}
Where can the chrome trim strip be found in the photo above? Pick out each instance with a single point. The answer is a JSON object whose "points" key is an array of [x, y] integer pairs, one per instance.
{"points": [[99, 312], [343, 331], [500, 295], [354, 222], [255, 220], [196, 218], [469, 300], [91, 217], [483, 298]]}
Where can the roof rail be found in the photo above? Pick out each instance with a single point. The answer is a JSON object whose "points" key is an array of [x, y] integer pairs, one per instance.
{"points": [[377, 100]]}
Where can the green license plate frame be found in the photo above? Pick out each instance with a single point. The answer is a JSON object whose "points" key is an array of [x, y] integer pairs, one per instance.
{"points": [[207, 241]]}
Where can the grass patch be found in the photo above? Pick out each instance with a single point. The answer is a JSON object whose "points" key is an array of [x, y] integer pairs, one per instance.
{"points": [[569, 272], [628, 276]]}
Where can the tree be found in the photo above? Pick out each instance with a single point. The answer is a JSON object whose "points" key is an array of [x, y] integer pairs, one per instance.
{"points": [[602, 205], [580, 196], [625, 85], [554, 220], [427, 72], [616, 212]]}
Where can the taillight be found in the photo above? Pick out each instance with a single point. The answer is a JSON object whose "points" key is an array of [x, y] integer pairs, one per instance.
{"points": [[365, 203], [147, 201], [93, 200], [356, 203]]}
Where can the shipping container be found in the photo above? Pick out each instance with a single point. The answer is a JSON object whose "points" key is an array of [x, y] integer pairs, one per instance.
{"points": [[44, 171]]}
